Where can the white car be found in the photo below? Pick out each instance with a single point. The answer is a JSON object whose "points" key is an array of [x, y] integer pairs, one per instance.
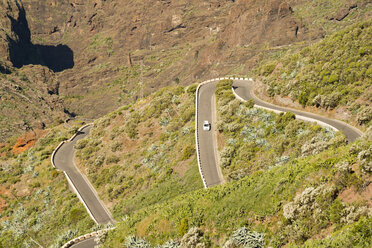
{"points": [[206, 126]]}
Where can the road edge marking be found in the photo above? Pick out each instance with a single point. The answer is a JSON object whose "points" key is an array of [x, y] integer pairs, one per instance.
{"points": [[300, 117], [197, 132]]}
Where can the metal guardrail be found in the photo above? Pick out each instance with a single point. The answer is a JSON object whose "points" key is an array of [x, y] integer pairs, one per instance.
{"points": [[54, 154], [197, 133]]}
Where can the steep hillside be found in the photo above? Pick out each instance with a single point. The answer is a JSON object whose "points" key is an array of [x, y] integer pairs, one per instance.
{"points": [[283, 175], [141, 159], [334, 74], [37, 208], [28, 96], [143, 153], [133, 67], [295, 184], [29, 100], [104, 54]]}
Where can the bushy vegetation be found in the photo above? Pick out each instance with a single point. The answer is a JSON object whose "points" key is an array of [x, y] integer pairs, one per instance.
{"points": [[145, 153], [289, 204], [154, 187], [334, 72], [36, 204], [287, 199], [253, 139], [290, 180], [245, 238]]}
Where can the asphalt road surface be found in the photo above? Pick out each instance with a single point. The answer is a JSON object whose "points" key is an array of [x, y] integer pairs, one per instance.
{"points": [[243, 89], [64, 160], [207, 145], [88, 243], [207, 141]]}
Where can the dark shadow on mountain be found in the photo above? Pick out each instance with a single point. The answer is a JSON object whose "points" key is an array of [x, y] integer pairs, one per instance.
{"points": [[4, 70], [23, 52], [70, 114]]}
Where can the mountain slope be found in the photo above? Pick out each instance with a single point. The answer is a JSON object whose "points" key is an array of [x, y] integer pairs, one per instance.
{"points": [[129, 49], [36, 203], [294, 200], [289, 183], [332, 74]]}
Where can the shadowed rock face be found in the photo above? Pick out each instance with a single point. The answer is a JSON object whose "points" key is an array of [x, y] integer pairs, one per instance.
{"points": [[23, 52], [4, 70]]}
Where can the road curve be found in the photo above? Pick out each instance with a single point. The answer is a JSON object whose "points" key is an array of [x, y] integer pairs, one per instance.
{"points": [[243, 88], [87, 243], [210, 171], [64, 160]]}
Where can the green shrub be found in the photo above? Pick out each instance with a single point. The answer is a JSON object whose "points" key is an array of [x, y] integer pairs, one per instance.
{"points": [[188, 152], [116, 146], [81, 144], [112, 159], [283, 119], [191, 90], [336, 211], [268, 69], [303, 98], [183, 227], [249, 104], [75, 214], [54, 173], [131, 129]]}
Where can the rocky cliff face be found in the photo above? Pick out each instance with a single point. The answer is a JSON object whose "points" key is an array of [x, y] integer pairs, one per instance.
{"points": [[28, 96], [189, 40], [106, 53]]}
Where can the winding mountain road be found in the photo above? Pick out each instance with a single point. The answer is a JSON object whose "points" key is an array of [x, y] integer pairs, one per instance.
{"points": [[206, 144], [63, 159], [205, 140], [243, 88]]}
